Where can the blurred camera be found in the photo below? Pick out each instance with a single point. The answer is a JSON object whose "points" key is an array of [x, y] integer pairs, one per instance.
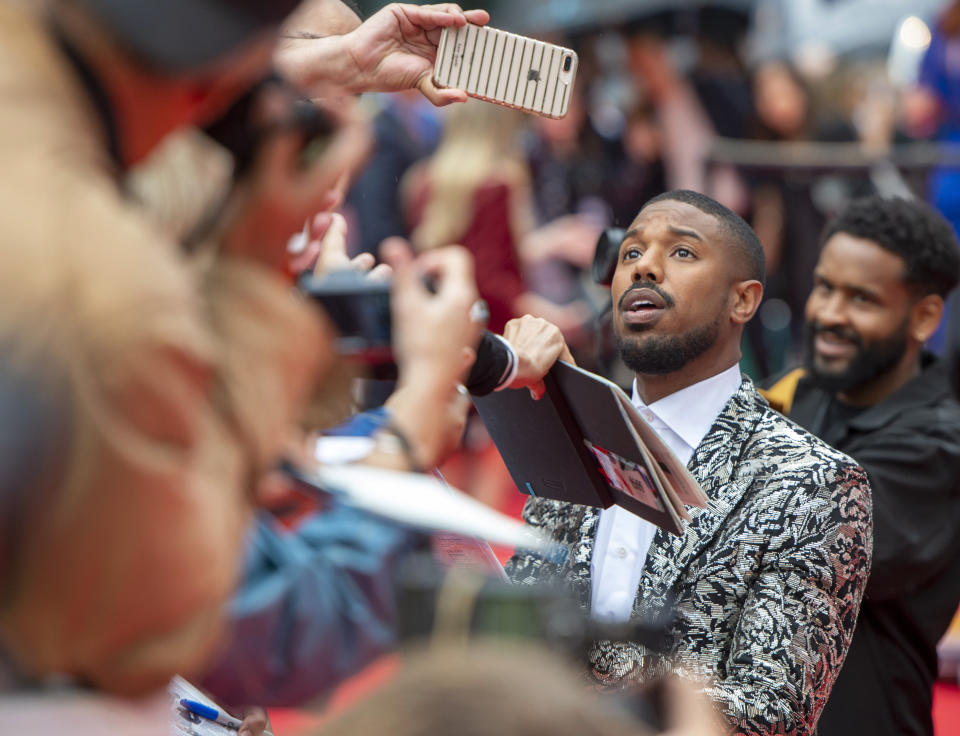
{"points": [[605, 256], [360, 310]]}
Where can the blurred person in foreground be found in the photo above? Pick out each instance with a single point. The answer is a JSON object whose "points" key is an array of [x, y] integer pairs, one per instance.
{"points": [[766, 581], [178, 385], [508, 690], [870, 389]]}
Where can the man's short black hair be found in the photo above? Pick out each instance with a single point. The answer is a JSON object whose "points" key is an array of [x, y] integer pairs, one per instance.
{"points": [[910, 229], [738, 233]]}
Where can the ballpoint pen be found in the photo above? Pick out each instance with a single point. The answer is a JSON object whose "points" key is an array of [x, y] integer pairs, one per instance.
{"points": [[213, 714]]}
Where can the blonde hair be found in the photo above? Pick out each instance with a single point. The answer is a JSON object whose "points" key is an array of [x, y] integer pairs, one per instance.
{"points": [[479, 144]]}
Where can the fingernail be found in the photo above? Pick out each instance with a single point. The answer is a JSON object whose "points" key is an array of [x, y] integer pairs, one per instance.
{"points": [[297, 243]]}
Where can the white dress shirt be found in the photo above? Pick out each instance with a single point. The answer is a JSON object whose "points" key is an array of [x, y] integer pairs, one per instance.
{"points": [[620, 547]]}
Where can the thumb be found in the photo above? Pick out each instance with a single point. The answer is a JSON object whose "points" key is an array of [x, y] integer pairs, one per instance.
{"points": [[439, 96], [468, 356], [396, 252]]}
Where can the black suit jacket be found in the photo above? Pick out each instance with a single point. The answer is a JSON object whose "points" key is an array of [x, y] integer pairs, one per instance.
{"points": [[909, 444]]}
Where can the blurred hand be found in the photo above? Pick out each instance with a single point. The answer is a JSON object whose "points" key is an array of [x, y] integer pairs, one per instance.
{"points": [[256, 722], [326, 250], [571, 238], [538, 345], [279, 194], [921, 112], [448, 416], [432, 330], [395, 48], [434, 344], [690, 713]]}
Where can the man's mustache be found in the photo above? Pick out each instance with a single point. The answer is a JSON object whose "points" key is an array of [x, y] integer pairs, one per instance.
{"points": [[844, 333], [667, 299]]}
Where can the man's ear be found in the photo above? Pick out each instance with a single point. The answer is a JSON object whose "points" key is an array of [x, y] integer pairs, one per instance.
{"points": [[925, 316], [746, 296]]}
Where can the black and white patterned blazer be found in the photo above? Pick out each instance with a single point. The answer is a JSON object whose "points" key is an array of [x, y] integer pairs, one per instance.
{"points": [[767, 580]]}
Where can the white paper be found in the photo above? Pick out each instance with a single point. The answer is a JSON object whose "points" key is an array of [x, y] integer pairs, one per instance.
{"points": [[179, 723], [423, 502], [467, 553], [334, 450]]}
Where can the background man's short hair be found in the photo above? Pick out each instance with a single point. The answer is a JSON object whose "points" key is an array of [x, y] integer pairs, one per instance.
{"points": [[910, 229], [738, 233]]}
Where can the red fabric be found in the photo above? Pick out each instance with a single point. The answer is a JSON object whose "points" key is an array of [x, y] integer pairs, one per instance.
{"points": [[946, 709], [489, 238], [290, 722]]}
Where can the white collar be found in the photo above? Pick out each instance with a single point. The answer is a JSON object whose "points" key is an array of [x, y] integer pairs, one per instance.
{"points": [[691, 411]]}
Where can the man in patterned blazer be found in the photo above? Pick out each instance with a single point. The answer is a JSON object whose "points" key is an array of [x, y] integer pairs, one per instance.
{"points": [[766, 581]]}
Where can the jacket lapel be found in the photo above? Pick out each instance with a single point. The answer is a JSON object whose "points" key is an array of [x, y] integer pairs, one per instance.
{"points": [[714, 465]]}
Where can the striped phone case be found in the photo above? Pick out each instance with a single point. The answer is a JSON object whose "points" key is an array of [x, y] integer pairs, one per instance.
{"points": [[502, 67]]}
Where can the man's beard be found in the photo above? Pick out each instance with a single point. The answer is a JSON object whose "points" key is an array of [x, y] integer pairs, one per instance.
{"points": [[663, 354], [868, 362]]}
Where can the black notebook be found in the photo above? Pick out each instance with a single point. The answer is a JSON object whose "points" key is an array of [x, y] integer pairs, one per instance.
{"points": [[584, 442]]}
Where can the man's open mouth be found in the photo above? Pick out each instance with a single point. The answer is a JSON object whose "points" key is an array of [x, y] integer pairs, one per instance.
{"points": [[642, 306]]}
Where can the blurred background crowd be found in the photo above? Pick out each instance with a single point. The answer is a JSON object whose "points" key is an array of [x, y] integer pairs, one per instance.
{"points": [[781, 110]]}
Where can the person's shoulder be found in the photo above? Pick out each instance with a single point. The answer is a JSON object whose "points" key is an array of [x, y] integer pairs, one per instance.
{"points": [[793, 449], [782, 389], [790, 469], [938, 384], [924, 411]]}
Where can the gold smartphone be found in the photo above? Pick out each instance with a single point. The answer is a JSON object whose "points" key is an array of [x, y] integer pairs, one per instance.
{"points": [[507, 69]]}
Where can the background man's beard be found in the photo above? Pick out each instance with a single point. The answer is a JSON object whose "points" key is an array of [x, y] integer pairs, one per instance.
{"points": [[663, 354], [869, 361]]}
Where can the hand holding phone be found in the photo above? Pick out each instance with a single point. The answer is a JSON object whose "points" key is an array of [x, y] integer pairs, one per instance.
{"points": [[506, 69]]}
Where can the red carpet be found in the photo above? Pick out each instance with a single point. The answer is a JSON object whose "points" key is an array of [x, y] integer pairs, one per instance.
{"points": [[946, 705], [946, 709]]}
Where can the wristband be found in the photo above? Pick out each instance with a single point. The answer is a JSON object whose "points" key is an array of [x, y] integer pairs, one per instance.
{"points": [[513, 365], [399, 443]]}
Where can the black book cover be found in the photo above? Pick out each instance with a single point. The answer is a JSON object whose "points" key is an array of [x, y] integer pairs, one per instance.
{"points": [[576, 444]]}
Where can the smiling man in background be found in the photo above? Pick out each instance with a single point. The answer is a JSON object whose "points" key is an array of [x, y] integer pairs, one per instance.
{"points": [[870, 390]]}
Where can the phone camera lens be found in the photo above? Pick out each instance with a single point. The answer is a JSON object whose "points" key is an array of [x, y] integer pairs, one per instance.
{"points": [[567, 63]]}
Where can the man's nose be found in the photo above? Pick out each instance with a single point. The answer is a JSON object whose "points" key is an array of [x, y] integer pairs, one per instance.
{"points": [[649, 267]]}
